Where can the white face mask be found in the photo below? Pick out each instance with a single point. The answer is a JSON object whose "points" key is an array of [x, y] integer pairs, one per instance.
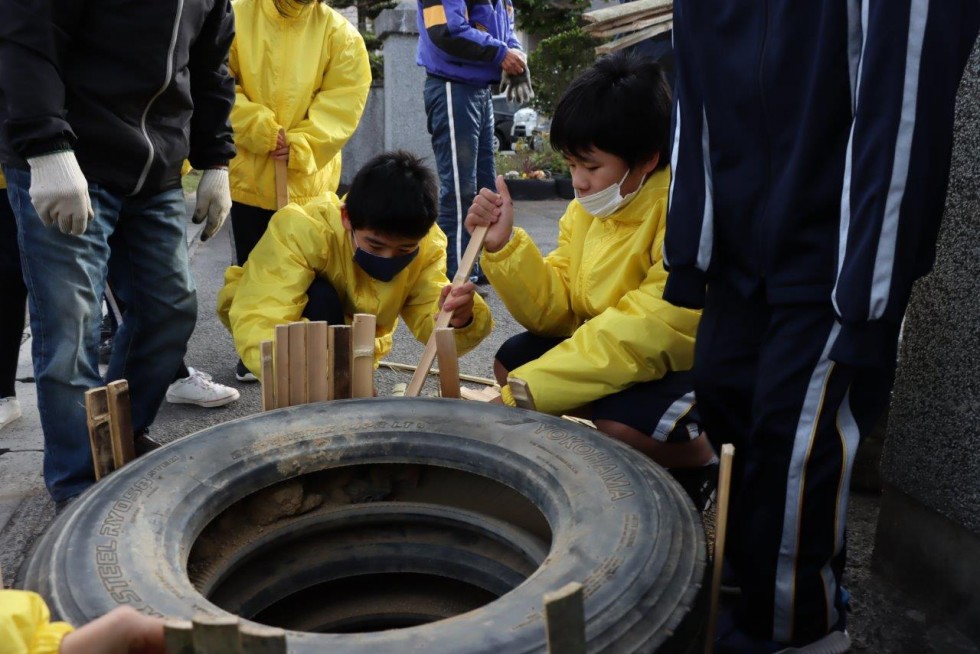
{"points": [[606, 202]]}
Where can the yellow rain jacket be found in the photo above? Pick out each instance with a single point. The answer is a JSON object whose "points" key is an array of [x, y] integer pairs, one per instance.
{"points": [[302, 242], [602, 287], [25, 625], [308, 74]]}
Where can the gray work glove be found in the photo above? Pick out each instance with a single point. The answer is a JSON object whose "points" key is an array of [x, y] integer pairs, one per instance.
{"points": [[517, 87], [59, 192], [213, 201]]}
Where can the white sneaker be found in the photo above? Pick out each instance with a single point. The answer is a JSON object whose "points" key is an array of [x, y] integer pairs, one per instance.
{"points": [[197, 388], [9, 410]]}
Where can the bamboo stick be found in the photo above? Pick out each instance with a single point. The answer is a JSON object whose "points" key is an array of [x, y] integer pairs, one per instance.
{"points": [[340, 362], [99, 430], [268, 376], [448, 362], [281, 361], [318, 366], [721, 525], [405, 367], [214, 635], [362, 370], [442, 320], [522, 394], [178, 637], [120, 423], [564, 613]]}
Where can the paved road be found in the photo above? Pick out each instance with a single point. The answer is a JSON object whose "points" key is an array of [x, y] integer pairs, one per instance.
{"points": [[25, 508]]}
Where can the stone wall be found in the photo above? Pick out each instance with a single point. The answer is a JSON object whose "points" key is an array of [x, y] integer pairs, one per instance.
{"points": [[928, 536]]}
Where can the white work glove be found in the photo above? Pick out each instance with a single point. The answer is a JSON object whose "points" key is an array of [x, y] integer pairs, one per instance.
{"points": [[517, 87], [59, 192], [213, 201]]}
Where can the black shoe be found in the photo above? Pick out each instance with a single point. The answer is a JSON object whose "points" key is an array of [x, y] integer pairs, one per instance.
{"points": [[144, 444], [700, 483], [243, 374]]}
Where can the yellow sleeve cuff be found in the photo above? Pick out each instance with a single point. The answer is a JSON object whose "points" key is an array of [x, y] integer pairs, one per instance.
{"points": [[48, 639], [507, 397], [517, 238]]}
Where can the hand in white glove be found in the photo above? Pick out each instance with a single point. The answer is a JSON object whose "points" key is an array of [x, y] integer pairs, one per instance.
{"points": [[213, 201], [517, 87], [59, 192]]}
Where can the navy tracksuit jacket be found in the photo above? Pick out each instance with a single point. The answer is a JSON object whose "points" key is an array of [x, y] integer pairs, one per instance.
{"points": [[810, 162]]}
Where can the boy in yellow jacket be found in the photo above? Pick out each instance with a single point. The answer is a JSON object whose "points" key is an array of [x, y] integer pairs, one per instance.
{"points": [[601, 339], [380, 252]]}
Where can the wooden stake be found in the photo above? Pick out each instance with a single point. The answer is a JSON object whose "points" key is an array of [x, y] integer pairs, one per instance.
{"points": [[120, 423], [448, 362], [99, 430], [339, 363], [215, 634], [442, 320], [282, 180], [282, 365], [298, 364], [564, 614], [268, 376], [521, 393], [260, 639], [362, 373], [317, 347], [721, 525], [178, 637]]}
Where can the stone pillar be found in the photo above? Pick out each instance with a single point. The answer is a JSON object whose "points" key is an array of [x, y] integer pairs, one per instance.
{"points": [[404, 110], [368, 139], [928, 538]]}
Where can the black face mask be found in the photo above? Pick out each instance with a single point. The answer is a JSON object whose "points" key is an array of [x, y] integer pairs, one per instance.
{"points": [[383, 269]]}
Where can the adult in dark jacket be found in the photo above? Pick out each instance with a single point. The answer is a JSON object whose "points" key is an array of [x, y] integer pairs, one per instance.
{"points": [[100, 103], [811, 157], [465, 47]]}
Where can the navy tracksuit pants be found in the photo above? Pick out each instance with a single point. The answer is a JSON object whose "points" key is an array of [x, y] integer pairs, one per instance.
{"points": [[764, 382]]}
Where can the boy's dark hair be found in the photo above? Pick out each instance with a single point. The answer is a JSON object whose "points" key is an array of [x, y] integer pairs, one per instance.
{"points": [[394, 194], [620, 105]]}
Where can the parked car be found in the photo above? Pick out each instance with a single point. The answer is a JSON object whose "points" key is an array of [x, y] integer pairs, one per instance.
{"points": [[503, 122]]}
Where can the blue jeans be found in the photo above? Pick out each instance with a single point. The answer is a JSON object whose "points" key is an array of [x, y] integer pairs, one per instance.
{"points": [[460, 120], [65, 277]]}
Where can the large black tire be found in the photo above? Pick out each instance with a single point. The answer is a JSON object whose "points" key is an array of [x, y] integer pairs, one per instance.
{"points": [[619, 523]]}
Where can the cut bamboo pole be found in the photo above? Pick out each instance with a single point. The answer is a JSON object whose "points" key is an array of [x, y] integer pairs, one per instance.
{"points": [[120, 423], [448, 362], [215, 634], [564, 613], [318, 350], [282, 180], [633, 39], [260, 639], [99, 430], [721, 526], [340, 361], [521, 393], [178, 637], [628, 9], [282, 365], [632, 26], [483, 395], [442, 320], [404, 367], [298, 362], [362, 370], [268, 376]]}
